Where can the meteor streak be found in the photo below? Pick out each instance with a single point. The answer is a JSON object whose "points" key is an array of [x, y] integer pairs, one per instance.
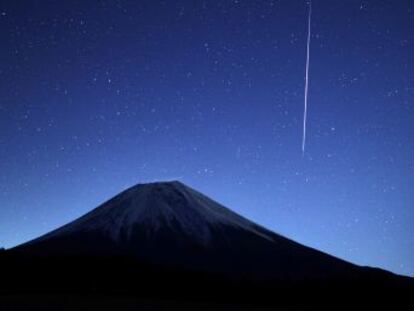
{"points": [[305, 112]]}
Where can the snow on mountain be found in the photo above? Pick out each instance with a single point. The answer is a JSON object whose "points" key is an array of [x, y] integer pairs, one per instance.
{"points": [[154, 206]]}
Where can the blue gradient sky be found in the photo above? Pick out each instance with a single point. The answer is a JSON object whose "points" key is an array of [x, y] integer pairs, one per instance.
{"points": [[98, 96]]}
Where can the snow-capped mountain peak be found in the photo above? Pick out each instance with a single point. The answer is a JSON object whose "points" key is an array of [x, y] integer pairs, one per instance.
{"points": [[155, 206]]}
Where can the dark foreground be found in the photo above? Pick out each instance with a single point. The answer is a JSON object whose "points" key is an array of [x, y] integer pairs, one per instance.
{"points": [[89, 302], [125, 284]]}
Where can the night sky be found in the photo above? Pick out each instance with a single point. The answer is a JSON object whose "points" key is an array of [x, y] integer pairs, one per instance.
{"points": [[96, 96]]}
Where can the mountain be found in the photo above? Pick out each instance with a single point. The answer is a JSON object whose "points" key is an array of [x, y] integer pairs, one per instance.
{"points": [[172, 224], [166, 239]]}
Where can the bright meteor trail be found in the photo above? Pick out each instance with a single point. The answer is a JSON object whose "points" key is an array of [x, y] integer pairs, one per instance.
{"points": [[305, 112]]}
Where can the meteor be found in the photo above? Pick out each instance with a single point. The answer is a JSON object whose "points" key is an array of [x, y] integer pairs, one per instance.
{"points": [[305, 112]]}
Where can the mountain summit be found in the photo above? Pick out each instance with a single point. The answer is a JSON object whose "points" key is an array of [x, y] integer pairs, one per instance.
{"points": [[154, 208]]}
